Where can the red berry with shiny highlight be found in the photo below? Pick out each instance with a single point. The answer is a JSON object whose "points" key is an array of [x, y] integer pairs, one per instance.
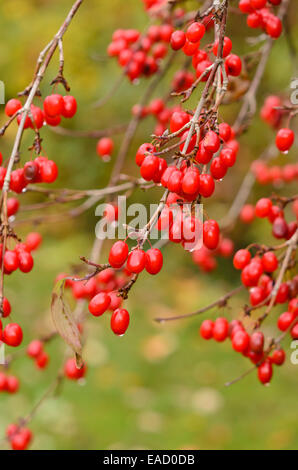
{"points": [[99, 304], [12, 334], [154, 261], [118, 254], [136, 261], [120, 321], [206, 329]]}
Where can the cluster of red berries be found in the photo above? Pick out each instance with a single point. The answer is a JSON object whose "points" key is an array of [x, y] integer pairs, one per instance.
{"points": [[256, 275], [284, 139], [137, 260], [104, 148], [9, 383], [108, 281], [280, 228], [140, 55], [18, 436], [54, 106], [102, 290], [18, 258], [158, 109], [189, 42], [274, 174], [206, 259], [36, 351], [39, 170], [187, 181], [250, 346], [260, 16]]}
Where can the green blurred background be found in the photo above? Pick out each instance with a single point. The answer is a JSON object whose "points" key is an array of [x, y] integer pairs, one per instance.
{"points": [[159, 386]]}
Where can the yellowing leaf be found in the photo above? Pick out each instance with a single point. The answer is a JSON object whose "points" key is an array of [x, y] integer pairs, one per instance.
{"points": [[64, 322]]}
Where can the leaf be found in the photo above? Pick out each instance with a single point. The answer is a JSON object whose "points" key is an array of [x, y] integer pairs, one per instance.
{"points": [[64, 322]]}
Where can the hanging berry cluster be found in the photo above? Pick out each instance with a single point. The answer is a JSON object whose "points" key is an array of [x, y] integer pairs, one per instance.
{"points": [[260, 15]]}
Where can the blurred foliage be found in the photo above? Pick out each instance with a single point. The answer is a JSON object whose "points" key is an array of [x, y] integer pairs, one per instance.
{"points": [[159, 386]]}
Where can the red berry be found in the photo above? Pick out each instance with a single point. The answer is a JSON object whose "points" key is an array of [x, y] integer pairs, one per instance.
{"points": [[69, 106], [52, 121], [245, 6], [278, 357], [285, 320], [206, 184], [240, 341], [211, 234], [227, 157], [178, 39], [154, 261], [99, 304], [13, 384], [25, 261], [3, 382], [257, 295], [233, 65], [218, 169], [48, 171], [35, 348], [21, 439], [12, 206], [257, 4], [221, 329], [71, 370], [294, 331], [11, 261], [191, 182], [53, 105], [269, 262], [254, 20], [190, 48], [17, 180], [104, 146], [6, 308], [136, 261], [175, 181], [12, 106], [149, 167], [256, 343], [195, 32], [118, 254], [279, 228], [284, 139], [206, 329], [265, 372], [263, 207], [42, 360], [12, 334], [178, 120], [120, 321], [227, 47], [282, 293], [247, 213], [225, 131], [142, 151], [273, 26], [211, 142], [33, 240]]}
